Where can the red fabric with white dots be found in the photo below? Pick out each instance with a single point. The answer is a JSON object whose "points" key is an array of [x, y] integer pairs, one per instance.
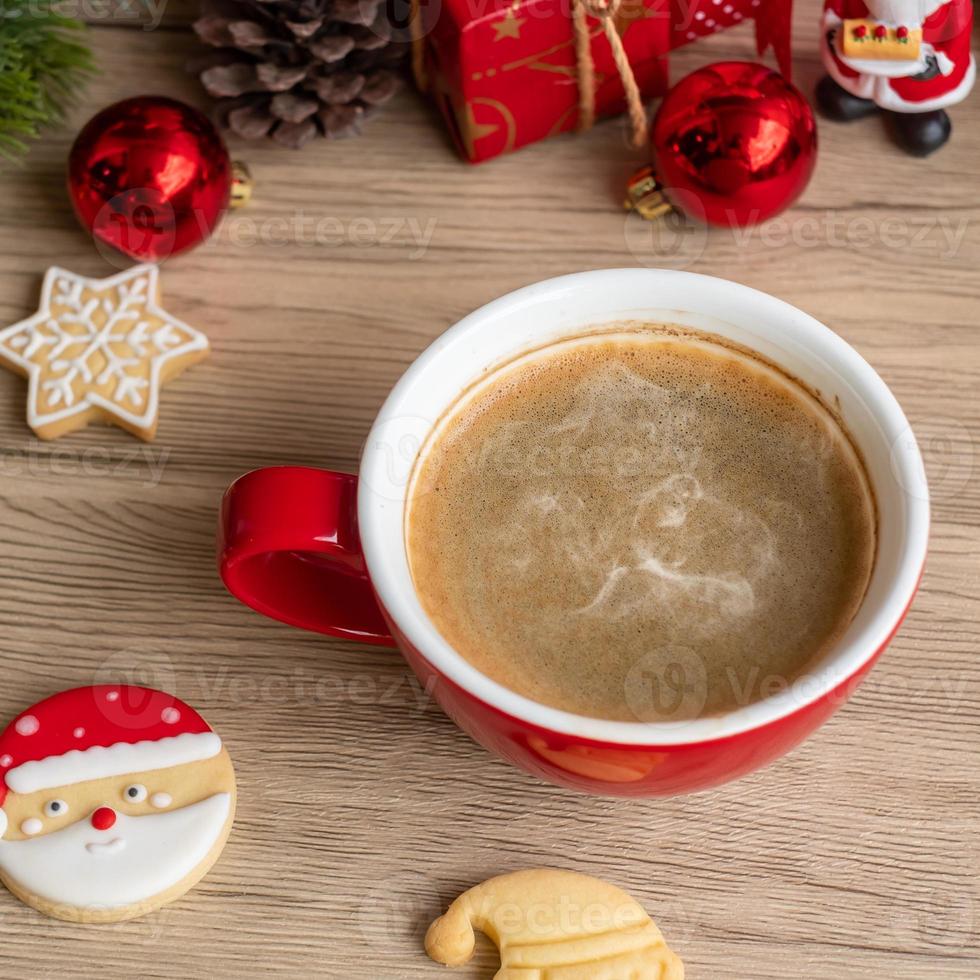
{"points": [[694, 19]]}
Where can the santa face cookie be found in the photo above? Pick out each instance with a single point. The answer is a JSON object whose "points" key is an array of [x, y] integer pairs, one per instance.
{"points": [[114, 800]]}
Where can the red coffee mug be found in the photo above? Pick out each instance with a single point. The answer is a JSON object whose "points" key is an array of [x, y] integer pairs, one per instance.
{"points": [[326, 551]]}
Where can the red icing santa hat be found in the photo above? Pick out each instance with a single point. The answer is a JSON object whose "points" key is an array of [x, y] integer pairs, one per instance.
{"points": [[97, 732]]}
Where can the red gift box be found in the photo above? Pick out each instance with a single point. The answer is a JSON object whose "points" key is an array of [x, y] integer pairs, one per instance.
{"points": [[506, 72]]}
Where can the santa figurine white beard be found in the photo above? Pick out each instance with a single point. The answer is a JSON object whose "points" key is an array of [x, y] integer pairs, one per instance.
{"points": [[910, 13]]}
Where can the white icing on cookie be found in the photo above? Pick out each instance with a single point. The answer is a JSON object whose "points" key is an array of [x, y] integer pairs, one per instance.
{"points": [[99, 762], [27, 725], [161, 800], [137, 859], [88, 334]]}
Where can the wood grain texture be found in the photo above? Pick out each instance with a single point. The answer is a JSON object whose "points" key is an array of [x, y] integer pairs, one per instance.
{"points": [[363, 811]]}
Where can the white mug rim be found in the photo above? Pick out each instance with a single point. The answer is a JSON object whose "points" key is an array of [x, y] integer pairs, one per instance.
{"points": [[402, 604]]}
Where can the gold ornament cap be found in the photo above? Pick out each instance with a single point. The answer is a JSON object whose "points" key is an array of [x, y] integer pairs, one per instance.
{"points": [[241, 184], [644, 195]]}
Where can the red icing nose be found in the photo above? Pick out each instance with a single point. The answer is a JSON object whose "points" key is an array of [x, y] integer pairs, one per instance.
{"points": [[103, 818]]}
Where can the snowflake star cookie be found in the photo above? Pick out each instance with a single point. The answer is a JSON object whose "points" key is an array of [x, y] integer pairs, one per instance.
{"points": [[114, 800], [99, 350], [555, 925]]}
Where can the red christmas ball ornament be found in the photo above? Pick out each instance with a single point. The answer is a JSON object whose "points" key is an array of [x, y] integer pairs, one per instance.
{"points": [[733, 144], [149, 177]]}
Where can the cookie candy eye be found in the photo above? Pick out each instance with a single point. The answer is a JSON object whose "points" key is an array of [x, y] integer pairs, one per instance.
{"points": [[135, 793], [55, 808]]}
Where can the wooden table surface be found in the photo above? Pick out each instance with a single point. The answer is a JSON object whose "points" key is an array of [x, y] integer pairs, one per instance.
{"points": [[362, 809]]}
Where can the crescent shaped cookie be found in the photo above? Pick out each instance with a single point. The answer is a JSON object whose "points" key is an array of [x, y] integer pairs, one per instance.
{"points": [[555, 925]]}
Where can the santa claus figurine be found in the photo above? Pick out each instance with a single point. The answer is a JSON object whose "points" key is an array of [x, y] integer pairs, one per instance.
{"points": [[910, 58], [114, 800]]}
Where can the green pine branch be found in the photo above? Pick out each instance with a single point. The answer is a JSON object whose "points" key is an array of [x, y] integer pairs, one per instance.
{"points": [[42, 64]]}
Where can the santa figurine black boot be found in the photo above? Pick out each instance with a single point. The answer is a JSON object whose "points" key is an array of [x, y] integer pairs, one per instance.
{"points": [[836, 103], [920, 133]]}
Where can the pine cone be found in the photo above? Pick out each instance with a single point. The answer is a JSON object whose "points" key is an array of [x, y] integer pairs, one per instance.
{"points": [[292, 69]]}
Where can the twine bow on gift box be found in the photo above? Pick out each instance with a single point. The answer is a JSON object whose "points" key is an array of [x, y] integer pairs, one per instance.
{"points": [[773, 21], [605, 12]]}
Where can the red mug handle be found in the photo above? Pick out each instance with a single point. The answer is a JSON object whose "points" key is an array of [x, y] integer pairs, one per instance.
{"points": [[288, 546]]}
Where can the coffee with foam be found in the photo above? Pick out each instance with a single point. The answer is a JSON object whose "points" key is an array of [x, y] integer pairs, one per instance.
{"points": [[644, 524]]}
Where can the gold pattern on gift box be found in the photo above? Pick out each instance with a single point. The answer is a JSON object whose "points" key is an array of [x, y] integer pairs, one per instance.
{"points": [[509, 26], [537, 63], [472, 131], [561, 122], [627, 13]]}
